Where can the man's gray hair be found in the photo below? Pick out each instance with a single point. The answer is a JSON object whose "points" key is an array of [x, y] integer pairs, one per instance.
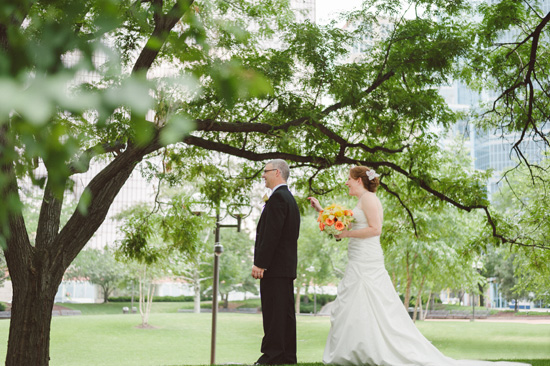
{"points": [[282, 166]]}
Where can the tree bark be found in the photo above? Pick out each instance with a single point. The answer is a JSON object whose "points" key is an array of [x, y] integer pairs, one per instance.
{"points": [[35, 284], [418, 303], [197, 289], [225, 299], [37, 271], [31, 314], [427, 305], [410, 271], [298, 297]]}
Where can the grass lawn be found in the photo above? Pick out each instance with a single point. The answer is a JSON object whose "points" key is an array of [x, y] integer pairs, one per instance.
{"points": [[184, 339]]}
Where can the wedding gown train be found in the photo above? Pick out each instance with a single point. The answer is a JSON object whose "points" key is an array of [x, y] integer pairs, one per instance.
{"points": [[369, 324]]}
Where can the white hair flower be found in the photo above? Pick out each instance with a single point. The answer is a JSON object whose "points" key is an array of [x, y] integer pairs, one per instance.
{"points": [[372, 174]]}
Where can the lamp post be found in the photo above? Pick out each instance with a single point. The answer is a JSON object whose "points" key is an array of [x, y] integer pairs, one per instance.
{"points": [[218, 250]]}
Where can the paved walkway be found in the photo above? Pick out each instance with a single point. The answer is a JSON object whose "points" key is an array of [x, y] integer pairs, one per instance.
{"points": [[491, 319], [501, 319]]}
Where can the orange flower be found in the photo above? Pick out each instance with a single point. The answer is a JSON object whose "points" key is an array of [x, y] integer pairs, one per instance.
{"points": [[329, 222], [339, 225], [321, 226], [320, 218], [349, 213]]}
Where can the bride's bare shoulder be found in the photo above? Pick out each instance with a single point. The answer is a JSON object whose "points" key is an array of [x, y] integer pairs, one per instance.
{"points": [[369, 201], [369, 198]]}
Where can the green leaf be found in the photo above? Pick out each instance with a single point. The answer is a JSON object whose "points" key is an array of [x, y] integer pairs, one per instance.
{"points": [[176, 128]]}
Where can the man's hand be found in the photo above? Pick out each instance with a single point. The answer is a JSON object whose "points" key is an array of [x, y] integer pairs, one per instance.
{"points": [[257, 272]]}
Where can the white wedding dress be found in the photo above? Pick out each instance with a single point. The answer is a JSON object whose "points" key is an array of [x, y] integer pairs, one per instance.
{"points": [[369, 324]]}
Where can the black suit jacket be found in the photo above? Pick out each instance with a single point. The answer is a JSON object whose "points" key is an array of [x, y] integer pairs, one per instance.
{"points": [[276, 247]]}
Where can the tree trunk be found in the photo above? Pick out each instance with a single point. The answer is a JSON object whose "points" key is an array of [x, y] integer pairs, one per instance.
{"points": [[34, 276], [418, 303], [297, 303], [106, 292], [225, 299], [410, 271], [197, 288], [145, 295], [427, 305], [31, 315], [37, 271], [481, 297], [150, 295], [394, 279]]}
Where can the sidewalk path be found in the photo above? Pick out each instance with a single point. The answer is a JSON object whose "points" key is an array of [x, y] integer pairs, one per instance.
{"points": [[501, 319]]}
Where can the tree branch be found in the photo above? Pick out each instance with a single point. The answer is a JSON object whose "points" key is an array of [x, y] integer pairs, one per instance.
{"points": [[83, 161], [163, 24], [49, 218], [396, 195], [323, 163], [103, 189], [14, 231]]}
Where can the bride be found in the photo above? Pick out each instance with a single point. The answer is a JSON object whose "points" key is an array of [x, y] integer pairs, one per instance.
{"points": [[369, 324]]}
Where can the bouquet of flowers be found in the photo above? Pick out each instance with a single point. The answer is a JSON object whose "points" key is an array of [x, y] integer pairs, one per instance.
{"points": [[334, 219]]}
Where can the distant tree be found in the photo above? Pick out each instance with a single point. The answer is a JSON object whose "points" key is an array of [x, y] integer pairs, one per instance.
{"points": [[235, 264], [151, 236], [195, 269], [507, 279], [100, 268], [439, 251], [523, 202]]}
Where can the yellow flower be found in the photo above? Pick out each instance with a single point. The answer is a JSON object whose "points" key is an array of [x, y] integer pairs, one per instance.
{"points": [[334, 219]]}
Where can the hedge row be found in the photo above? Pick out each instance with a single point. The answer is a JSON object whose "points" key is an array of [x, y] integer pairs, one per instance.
{"points": [[160, 298], [322, 299]]}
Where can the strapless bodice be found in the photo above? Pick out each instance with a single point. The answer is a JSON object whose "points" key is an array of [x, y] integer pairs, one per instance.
{"points": [[365, 250]]}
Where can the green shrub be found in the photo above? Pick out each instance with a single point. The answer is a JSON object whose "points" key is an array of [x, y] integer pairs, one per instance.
{"points": [[308, 306], [322, 299], [160, 298], [249, 303], [2, 306]]}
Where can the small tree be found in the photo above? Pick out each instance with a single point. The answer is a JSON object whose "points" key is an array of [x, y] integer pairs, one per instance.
{"points": [[195, 269], [235, 264], [100, 268], [523, 200], [150, 237]]}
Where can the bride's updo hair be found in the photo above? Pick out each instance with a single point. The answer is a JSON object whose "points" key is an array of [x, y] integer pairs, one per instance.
{"points": [[370, 185]]}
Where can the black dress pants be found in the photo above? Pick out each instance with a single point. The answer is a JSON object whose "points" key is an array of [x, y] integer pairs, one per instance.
{"points": [[279, 321]]}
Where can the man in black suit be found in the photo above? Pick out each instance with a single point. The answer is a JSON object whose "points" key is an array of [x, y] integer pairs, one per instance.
{"points": [[275, 259]]}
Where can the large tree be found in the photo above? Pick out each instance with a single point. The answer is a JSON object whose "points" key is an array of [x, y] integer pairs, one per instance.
{"points": [[296, 100], [50, 120]]}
